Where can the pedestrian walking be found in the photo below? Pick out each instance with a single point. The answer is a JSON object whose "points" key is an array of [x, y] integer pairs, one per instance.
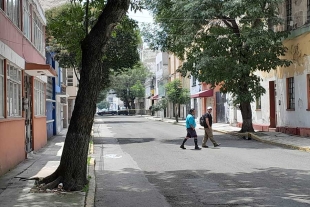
{"points": [[190, 128], [208, 129]]}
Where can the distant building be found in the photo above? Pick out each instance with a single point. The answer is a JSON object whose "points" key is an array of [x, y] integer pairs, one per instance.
{"points": [[148, 58]]}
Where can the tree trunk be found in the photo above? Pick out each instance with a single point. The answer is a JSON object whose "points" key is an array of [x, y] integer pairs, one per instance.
{"points": [[72, 170], [132, 104], [176, 113], [246, 113]]}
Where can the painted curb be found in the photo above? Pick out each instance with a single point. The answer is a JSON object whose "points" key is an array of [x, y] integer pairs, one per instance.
{"points": [[90, 195], [289, 146]]}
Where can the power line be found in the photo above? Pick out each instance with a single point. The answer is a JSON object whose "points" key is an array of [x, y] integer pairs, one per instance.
{"points": [[199, 19]]}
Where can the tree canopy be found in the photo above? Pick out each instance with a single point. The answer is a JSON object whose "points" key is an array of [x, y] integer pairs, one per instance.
{"points": [[176, 94], [222, 43], [66, 28], [128, 85]]}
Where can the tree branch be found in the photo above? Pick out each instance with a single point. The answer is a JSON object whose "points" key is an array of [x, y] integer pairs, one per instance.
{"points": [[74, 69], [231, 23], [112, 12]]}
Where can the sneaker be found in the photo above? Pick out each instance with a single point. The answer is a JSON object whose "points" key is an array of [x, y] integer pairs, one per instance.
{"points": [[197, 148], [216, 145], [205, 146], [182, 147]]}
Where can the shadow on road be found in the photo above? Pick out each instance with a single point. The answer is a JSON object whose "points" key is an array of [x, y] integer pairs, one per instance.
{"points": [[117, 122], [134, 140], [262, 187]]}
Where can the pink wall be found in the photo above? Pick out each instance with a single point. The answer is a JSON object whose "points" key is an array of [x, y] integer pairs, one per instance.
{"points": [[12, 143], [39, 134], [14, 38]]}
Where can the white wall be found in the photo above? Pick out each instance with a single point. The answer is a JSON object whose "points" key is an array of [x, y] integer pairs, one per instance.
{"points": [[300, 116], [13, 57]]}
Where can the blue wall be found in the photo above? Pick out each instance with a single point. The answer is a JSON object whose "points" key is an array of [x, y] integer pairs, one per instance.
{"points": [[50, 105], [49, 126]]}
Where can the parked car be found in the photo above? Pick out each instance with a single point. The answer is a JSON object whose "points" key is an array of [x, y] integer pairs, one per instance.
{"points": [[104, 112]]}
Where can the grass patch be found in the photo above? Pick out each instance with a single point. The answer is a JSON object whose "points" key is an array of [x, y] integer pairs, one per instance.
{"points": [[88, 160]]}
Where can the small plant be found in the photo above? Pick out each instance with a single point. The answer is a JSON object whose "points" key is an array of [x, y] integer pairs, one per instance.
{"points": [[86, 188], [160, 105]]}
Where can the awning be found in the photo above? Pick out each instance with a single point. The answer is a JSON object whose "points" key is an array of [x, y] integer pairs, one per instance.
{"points": [[35, 69], [206, 93], [62, 95], [154, 97]]}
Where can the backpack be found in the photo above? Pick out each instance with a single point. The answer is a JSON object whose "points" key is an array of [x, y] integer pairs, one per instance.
{"points": [[202, 121]]}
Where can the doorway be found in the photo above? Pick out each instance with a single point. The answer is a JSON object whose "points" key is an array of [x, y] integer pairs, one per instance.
{"points": [[272, 104], [28, 113], [220, 108]]}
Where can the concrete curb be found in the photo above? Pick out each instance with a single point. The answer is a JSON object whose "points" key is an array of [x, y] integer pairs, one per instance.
{"points": [[90, 195], [289, 146]]}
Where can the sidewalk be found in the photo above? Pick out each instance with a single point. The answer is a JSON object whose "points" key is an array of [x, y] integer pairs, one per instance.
{"points": [[274, 138], [15, 185]]}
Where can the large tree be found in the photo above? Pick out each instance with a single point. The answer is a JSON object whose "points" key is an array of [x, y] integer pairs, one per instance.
{"points": [[72, 171], [225, 42]]}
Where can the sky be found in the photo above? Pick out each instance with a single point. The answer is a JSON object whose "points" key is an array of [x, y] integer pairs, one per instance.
{"points": [[142, 17]]}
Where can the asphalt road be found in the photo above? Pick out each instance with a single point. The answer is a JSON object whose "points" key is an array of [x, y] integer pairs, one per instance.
{"points": [[140, 163]]}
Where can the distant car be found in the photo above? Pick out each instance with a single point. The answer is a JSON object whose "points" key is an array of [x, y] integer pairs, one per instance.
{"points": [[104, 112], [122, 112]]}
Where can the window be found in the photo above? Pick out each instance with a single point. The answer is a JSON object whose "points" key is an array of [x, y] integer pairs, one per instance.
{"points": [[288, 14], [258, 103], [12, 10], [1, 4], [26, 23], [38, 33], [13, 91], [290, 94], [39, 98], [69, 77], [194, 81], [1, 88]]}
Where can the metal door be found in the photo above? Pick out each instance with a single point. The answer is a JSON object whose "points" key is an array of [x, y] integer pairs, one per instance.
{"points": [[28, 113], [220, 108]]}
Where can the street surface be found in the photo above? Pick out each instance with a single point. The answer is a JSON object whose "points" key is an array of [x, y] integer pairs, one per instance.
{"points": [[139, 163]]}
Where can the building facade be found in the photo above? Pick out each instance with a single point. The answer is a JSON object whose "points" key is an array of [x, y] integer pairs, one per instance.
{"points": [[286, 103], [148, 58], [23, 78], [173, 64]]}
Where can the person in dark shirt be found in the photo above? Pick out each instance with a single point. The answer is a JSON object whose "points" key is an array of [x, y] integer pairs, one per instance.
{"points": [[208, 129]]}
